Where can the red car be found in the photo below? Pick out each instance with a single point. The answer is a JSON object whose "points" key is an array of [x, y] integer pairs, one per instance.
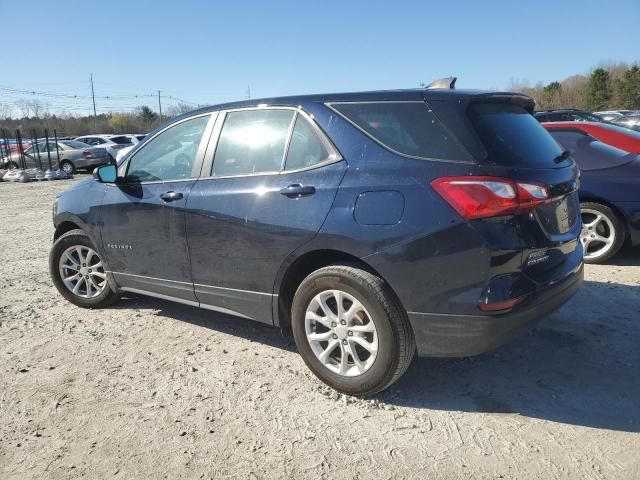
{"points": [[619, 137]]}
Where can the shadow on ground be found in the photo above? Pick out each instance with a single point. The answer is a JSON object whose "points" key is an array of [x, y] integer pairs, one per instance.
{"points": [[580, 367], [628, 256]]}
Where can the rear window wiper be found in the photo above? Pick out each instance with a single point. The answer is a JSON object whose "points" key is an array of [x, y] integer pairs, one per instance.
{"points": [[563, 156]]}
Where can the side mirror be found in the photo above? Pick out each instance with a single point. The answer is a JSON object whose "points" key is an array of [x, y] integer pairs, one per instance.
{"points": [[106, 173]]}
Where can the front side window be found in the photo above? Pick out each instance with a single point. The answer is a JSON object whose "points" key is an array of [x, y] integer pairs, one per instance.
{"points": [[252, 141], [409, 128], [306, 149], [169, 156]]}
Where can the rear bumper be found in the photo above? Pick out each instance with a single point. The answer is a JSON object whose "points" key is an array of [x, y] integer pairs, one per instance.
{"points": [[446, 335]]}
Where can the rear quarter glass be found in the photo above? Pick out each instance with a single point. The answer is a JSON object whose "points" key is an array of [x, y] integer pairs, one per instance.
{"points": [[512, 137], [409, 128]]}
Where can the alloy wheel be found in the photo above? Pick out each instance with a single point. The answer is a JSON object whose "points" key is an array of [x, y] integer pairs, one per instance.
{"points": [[82, 271], [341, 333], [598, 233]]}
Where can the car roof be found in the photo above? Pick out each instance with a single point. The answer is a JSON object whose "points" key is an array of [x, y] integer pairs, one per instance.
{"points": [[416, 94]]}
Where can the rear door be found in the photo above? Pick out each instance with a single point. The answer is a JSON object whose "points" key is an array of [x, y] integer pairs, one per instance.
{"points": [[264, 192], [142, 218]]}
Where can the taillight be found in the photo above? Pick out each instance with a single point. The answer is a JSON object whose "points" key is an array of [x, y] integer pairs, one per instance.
{"points": [[481, 197], [87, 154]]}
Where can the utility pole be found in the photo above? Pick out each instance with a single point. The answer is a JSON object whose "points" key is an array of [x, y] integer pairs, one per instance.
{"points": [[249, 92], [160, 106], [93, 97]]}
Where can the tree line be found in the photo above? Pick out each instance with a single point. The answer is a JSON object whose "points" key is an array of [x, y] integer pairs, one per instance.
{"points": [[612, 86], [141, 120]]}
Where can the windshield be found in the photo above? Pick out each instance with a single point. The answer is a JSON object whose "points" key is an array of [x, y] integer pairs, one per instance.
{"points": [[513, 137]]}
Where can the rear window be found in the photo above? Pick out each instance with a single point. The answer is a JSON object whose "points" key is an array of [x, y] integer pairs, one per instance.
{"points": [[513, 137], [589, 153], [120, 140], [408, 128]]}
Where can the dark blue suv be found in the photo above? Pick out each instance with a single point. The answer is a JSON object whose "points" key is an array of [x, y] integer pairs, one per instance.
{"points": [[373, 224]]}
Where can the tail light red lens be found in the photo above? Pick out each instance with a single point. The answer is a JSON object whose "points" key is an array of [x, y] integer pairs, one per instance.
{"points": [[481, 197], [87, 154]]}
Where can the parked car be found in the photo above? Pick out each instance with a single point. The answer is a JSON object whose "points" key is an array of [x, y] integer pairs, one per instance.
{"points": [[12, 147], [373, 224], [614, 135], [608, 116], [73, 156], [609, 200], [629, 121], [566, 115], [111, 143]]}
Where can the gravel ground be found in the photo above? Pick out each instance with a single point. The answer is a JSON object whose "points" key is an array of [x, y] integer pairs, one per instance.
{"points": [[159, 390]]}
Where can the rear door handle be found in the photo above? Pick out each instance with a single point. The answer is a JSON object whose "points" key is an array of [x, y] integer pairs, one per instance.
{"points": [[171, 196], [296, 190]]}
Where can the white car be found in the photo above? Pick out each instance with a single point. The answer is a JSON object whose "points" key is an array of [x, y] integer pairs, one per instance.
{"points": [[111, 143], [123, 151]]}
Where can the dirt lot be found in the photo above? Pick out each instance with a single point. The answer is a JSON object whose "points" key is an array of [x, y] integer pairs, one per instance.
{"points": [[158, 390]]}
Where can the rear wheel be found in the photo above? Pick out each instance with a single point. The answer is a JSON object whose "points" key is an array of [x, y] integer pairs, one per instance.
{"points": [[67, 167], [12, 166], [351, 330], [78, 272], [602, 232]]}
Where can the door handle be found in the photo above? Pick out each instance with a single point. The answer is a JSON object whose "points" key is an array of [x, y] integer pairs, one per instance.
{"points": [[171, 196], [296, 190]]}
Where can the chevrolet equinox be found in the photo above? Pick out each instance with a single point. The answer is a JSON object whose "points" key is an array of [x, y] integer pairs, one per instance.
{"points": [[375, 225]]}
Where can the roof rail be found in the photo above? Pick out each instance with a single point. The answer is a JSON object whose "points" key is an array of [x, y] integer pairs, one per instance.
{"points": [[447, 82]]}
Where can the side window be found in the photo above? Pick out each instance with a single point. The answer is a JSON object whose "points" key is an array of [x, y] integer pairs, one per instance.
{"points": [[409, 128], [252, 141], [169, 156], [306, 148]]}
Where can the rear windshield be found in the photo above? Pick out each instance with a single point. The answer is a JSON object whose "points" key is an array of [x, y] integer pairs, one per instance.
{"points": [[513, 137], [409, 128], [120, 140], [589, 153]]}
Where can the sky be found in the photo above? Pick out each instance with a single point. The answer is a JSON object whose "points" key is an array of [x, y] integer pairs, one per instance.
{"points": [[207, 52]]}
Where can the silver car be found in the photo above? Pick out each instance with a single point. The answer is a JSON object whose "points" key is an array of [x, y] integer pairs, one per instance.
{"points": [[72, 155]]}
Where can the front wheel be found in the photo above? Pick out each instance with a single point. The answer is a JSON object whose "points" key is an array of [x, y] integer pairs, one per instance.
{"points": [[78, 272], [351, 330], [602, 232]]}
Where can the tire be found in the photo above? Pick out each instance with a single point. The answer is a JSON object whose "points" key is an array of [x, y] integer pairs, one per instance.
{"points": [[380, 307], [600, 222], [12, 165], [71, 242], [68, 167]]}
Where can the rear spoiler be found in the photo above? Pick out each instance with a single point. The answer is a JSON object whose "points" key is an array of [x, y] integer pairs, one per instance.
{"points": [[519, 99]]}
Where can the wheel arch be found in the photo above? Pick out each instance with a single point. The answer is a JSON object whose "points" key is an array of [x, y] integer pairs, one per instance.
{"points": [[65, 227], [298, 269]]}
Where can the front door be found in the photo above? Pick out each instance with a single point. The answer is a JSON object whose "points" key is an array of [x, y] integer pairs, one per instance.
{"points": [[271, 184], [142, 216]]}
